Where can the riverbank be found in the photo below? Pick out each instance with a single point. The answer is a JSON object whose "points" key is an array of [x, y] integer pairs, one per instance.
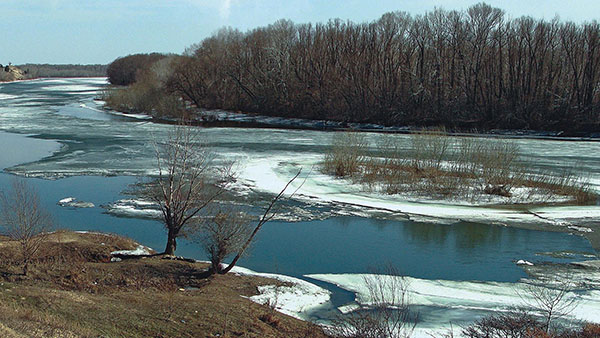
{"points": [[74, 288], [221, 118]]}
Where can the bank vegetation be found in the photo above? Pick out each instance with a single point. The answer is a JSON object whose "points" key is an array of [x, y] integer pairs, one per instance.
{"points": [[476, 68], [433, 164]]}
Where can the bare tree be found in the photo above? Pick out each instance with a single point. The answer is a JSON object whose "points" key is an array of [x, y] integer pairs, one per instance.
{"points": [[188, 181], [388, 313], [268, 215], [24, 220], [467, 69], [224, 234], [552, 302]]}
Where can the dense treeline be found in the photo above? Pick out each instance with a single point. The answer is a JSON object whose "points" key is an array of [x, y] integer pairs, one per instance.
{"points": [[461, 69], [47, 70], [146, 76], [125, 70]]}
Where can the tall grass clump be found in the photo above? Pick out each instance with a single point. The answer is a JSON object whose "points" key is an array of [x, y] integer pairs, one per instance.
{"points": [[346, 155], [432, 163], [564, 183], [492, 163], [429, 149]]}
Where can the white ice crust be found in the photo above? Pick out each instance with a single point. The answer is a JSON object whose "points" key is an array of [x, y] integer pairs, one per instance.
{"points": [[295, 300], [462, 295], [271, 174]]}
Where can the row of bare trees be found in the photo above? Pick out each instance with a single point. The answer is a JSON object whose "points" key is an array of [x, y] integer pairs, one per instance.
{"points": [[470, 69]]}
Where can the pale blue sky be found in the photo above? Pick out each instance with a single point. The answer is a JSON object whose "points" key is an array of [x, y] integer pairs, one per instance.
{"points": [[98, 31]]}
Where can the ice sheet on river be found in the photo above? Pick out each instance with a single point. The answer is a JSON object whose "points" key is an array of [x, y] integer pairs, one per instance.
{"points": [[270, 174], [444, 301]]}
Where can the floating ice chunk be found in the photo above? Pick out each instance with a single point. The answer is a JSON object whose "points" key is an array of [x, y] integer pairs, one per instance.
{"points": [[72, 88], [81, 205], [344, 309], [66, 200], [133, 208], [580, 229], [73, 203], [524, 262], [92, 233], [8, 96]]}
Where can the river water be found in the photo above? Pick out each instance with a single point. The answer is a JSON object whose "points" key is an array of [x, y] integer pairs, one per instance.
{"points": [[54, 133]]}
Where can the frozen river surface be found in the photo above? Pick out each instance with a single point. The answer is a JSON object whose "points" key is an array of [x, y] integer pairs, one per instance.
{"points": [[55, 133]]}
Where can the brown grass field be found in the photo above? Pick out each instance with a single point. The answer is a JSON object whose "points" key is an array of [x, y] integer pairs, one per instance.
{"points": [[73, 290]]}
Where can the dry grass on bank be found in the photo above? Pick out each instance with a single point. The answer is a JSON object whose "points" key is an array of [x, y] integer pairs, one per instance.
{"points": [[436, 165], [73, 290]]}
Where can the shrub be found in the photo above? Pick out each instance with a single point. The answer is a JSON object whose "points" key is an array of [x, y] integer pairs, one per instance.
{"points": [[346, 155], [388, 314], [146, 95], [515, 324], [429, 149], [439, 165]]}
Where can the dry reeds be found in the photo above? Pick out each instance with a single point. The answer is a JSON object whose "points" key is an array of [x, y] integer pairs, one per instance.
{"points": [[437, 165], [347, 154]]}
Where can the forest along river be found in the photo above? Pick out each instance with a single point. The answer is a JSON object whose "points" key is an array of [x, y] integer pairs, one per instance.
{"points": [[461, 260]]}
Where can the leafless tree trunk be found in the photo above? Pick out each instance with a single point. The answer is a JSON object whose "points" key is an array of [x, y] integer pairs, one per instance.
{"points": [[553, 301], [267, 216], [188, 181], [24, 220]]}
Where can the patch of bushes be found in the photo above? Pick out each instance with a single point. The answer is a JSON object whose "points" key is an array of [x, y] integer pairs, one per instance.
{"points": [[147, 95], [347, 154], [524, 325], [431, 163]]}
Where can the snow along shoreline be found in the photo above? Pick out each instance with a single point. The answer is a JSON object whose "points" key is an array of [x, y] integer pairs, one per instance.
{"points": [[270, 174]]}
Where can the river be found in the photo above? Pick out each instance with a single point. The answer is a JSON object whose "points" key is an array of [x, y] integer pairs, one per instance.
{"points": [[56, 134]]}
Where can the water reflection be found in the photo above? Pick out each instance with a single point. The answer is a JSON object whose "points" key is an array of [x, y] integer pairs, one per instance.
{"points": [[462, 251]]}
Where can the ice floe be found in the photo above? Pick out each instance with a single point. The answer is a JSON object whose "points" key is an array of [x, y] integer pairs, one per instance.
{"points": [[133, 208], [523, 262], [461, 296], [72, 202]]}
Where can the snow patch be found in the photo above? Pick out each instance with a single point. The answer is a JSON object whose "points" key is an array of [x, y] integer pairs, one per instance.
{"points": [[139, 251], [129, 115], [295, 300]]}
